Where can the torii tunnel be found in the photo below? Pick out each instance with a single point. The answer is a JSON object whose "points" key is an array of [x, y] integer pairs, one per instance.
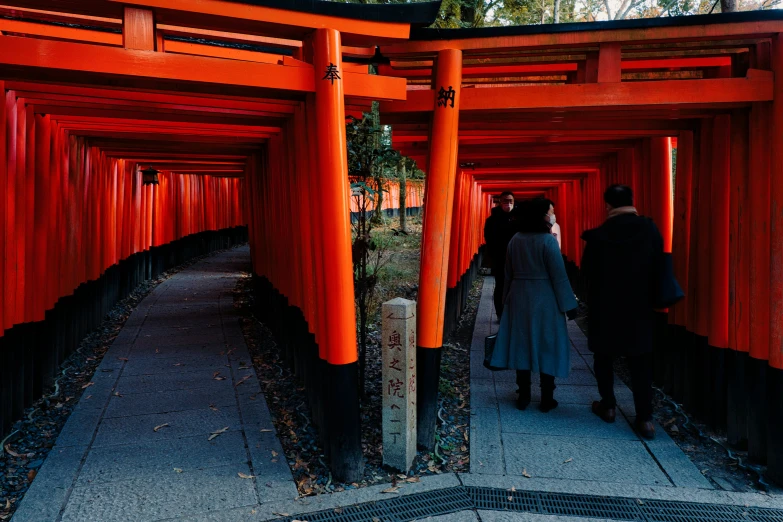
{"points": [[241, 107]]}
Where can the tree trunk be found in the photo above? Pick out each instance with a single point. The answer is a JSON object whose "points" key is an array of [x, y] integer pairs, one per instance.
{"points": [[557, 12], [728, 6], [403, 196]]}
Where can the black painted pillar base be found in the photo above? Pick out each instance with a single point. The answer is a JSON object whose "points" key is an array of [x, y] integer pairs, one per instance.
{"points": [[343, 422], [427, 383], [717, 389], [736, 406], [692, 371], [756, 379], [775, 424]]}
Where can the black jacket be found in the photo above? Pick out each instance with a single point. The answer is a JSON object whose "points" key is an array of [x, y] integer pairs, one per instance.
{"points": [[621, 265], [498, 231]]}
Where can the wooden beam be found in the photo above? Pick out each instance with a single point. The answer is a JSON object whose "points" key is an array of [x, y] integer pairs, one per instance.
{"points": [[58, 32], [620, 94], [66, 56], [488, 45], [212, 14]]}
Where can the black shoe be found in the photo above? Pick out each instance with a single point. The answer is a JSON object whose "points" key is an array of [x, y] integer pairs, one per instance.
{"points": [[646, 429], [606, 414], [547, 404]]}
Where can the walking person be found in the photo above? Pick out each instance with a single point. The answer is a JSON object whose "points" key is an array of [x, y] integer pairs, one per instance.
{"points": [[498, 230], [621, 261], [537, 297], [555, 225]]}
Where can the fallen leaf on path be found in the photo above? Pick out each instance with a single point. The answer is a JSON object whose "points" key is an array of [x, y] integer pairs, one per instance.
{"points": [[117, 394], [12, 452], [178, 470], [217, 433], [391, 490], [274, 454], [280, 514], [413, 479], [178, 364], [213, 407], [243, 379], [124, 359], [525, 473], [156, 428], [265, 430], [8, 503], [88, 385], [568, 460], [245, 475]]}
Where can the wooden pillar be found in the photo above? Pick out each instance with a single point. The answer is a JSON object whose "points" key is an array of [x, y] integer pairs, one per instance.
{"points": [[739, 287], [759, 318], [775, 381], [339, 340], [660, 183], [433, 276]]}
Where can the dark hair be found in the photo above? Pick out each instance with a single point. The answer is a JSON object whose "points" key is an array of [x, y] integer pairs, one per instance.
{"points": [[617, 196], [506, 193], [548, 202], [530, 217]]}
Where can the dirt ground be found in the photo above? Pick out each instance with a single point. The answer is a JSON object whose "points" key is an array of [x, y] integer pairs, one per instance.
{"points": [[286, 396]]}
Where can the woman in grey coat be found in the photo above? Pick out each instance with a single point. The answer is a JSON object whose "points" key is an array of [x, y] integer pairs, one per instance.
{"points": [[537, 297]]}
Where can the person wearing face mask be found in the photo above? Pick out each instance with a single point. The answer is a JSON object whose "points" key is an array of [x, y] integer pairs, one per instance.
{"points": [[498, 230], [533, 336], [555, 225]]}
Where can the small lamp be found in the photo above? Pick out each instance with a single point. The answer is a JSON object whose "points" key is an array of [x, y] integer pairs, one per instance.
{"points": [[149, 176]]}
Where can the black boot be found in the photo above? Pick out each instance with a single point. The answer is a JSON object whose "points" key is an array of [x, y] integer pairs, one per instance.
{"points": [[523, 381], [548, 401]]}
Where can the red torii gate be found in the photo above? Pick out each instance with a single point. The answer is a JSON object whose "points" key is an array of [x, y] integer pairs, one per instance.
{"points": [[87, 103], [95, 90], [565, 110]]}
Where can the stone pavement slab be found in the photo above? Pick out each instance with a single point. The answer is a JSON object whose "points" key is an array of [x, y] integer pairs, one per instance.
{"points": [[137, 445], [540, 442], [581, 458]]}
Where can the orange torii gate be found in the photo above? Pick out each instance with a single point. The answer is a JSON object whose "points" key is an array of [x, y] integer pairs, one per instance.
{"points": [[240, 108], [562, 111], [96, 90]]}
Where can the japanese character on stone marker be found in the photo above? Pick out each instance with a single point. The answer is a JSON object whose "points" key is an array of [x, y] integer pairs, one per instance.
{"points": [[412, 384], [395, 407], [395, 341], [395, 365], [395, 388], [332, 73], [444, 97]]}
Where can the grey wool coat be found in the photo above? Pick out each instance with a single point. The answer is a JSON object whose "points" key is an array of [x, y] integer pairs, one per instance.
{"points": [[537, 294]]}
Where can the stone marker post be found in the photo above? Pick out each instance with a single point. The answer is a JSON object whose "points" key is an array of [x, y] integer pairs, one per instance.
{"points": [[399, 383]]}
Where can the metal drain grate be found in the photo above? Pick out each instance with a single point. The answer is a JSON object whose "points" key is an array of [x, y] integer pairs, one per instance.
{"points": [[451, 500], [590, 506], [765, 515], [504, 500], [431, 503], [661, 511]]}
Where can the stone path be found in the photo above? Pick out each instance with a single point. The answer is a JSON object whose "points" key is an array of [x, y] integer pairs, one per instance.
{"points": [[570, 443], [109, 463], [180, 362]]}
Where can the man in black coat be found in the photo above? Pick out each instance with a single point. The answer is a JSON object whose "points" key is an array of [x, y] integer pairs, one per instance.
{"points": [[621, 264], [498, 231]]}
